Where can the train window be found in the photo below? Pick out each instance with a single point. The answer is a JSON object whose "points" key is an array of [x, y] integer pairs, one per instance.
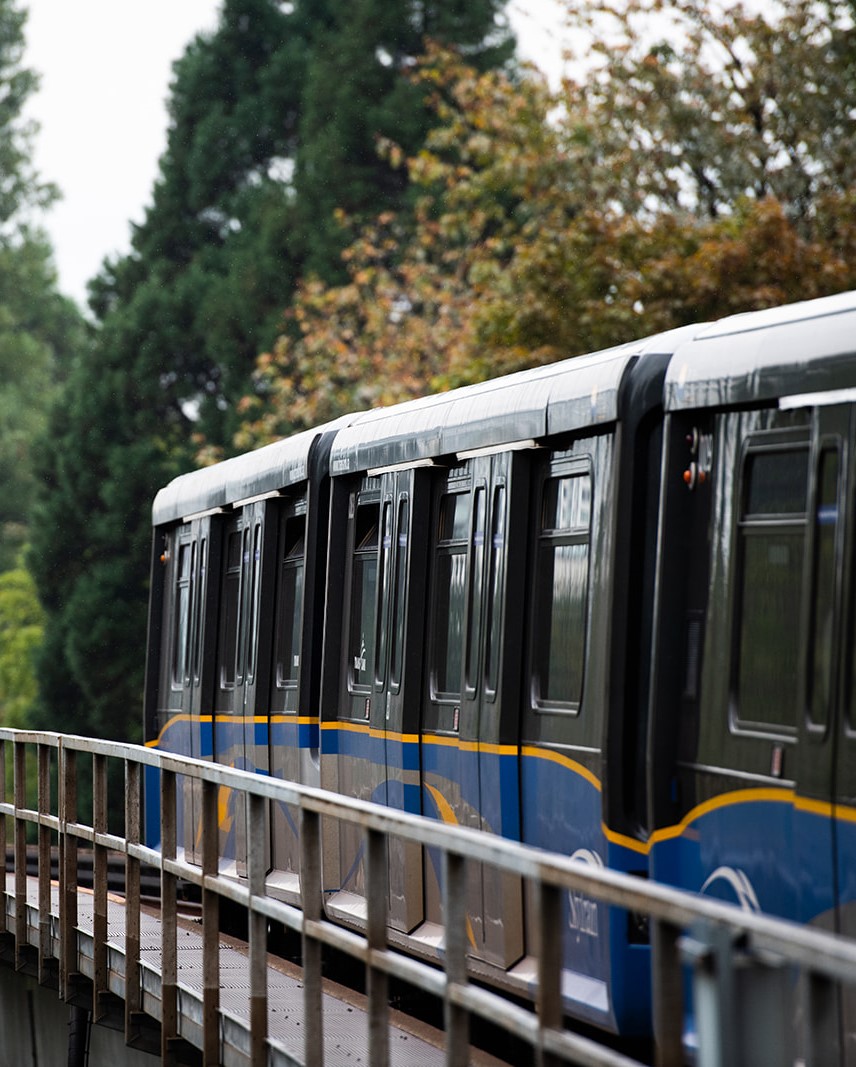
{"points": [[363, 598], [476, 594], [230, 611], [382, 579], [290, 603], [497, 567], [823, 587], [253, 606], [398, 594], [770, 544], [450, 594], [561, 592], [198, 578], [183, 612]]}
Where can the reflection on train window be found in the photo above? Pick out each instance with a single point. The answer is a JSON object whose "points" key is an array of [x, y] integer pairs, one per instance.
{"points": [[230, 611], [183, 612], [450, 592], [197, 593], [561, 592], [497, 569], [476, 591], [290, 603], [398, 594], [823, 587], [363, 598], [382, 580], [253, 606], [770, 544]]}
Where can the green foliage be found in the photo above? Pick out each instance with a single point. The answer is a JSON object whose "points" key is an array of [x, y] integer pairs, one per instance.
{"points": [[182, 318], [39, 329], [681, 179], [21, 624]]}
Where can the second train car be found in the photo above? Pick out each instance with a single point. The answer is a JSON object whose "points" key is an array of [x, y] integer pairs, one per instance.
{"points": [[603, 607]]}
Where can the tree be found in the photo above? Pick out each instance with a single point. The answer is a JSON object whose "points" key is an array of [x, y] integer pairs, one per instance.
{"points": [[39, 329], [21, 621], [184, 315], [674, 183]]}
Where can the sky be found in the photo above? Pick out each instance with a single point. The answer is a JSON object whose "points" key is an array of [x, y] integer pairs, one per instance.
{"points": [[105, 69]]}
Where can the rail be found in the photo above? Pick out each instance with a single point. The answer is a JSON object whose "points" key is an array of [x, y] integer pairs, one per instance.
{"points": [[739, 962]]}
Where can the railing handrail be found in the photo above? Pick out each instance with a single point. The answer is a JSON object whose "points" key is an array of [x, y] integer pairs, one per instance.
{"points": [[819, 952]]}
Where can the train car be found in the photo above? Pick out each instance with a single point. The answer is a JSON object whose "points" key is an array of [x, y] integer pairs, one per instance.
{"points": [[752, 747], [601, 607], [235, 629], [493, 553]]}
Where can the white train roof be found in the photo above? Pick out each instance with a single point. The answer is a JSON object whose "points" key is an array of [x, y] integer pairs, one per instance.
{"points": [[803, 348], [532, 404]]}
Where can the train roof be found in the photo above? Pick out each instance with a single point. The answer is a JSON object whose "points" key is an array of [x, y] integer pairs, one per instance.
{"points": [[560, 397], [266, 470], [780, 353]]}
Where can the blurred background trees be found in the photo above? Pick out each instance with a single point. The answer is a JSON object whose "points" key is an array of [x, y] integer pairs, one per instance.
{"points": [[41, 334], [365, 201]]}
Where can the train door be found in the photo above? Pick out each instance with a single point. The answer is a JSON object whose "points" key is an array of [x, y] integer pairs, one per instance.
{"points": [[372, 749], [470, 741], [820, 728], [185, 680], [241, 684], [291, 758]]}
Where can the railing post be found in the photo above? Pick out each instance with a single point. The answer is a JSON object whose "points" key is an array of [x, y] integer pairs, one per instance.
{"points": [[257, 926], [377, 982], [169, 920], [44, 804], [311, 900], [133, 999], [20, 755], [667, 994], [100, 984], [456, 1019], [210, 927], [68, 869], [549, 997], [823, 1021]]}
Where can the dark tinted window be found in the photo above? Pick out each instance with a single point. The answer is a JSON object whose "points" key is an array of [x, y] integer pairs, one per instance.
{"points": [[561, 591], [771, 542], [823, 587], [450, 593], [289, 603], [363, 597]]}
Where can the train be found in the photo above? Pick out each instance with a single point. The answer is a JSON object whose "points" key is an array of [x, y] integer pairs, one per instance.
{"points": [[603, 607]]}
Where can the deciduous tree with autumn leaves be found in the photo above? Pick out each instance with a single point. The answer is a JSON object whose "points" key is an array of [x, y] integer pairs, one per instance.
{"points": [[696, 164]]}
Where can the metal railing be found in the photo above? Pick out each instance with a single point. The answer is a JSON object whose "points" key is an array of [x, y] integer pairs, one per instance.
{"points": [[740, 962]]}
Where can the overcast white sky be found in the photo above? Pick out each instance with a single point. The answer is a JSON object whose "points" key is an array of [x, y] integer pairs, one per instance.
{"points": [[105, 67]]}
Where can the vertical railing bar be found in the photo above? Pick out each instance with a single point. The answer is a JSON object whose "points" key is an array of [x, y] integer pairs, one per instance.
{"points": [[68, 869], [256, 869], [549, 996], [311, 900], [667, 994], [4, 842], [456, 1019], [822, 1021], [169, 919], [210, 928], [44, 838], [377, 981], [20, 766], [133, 999], [100, 984]]}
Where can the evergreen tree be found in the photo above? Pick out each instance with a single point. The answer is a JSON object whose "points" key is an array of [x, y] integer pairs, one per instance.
{"points": [[39, 328], [212, 267]]}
